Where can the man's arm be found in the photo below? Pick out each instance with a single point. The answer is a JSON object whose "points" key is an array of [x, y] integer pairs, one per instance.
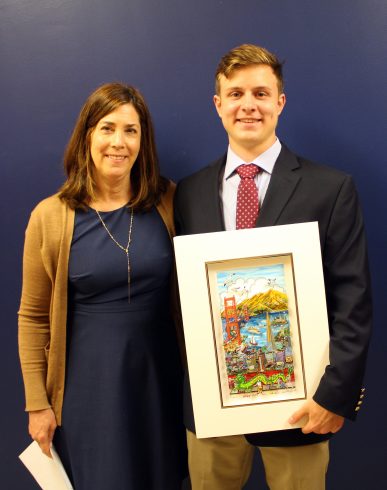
{"points": [[347, 283]]}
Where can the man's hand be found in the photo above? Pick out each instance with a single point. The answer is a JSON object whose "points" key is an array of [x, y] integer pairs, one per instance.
{"points": [[320, 420], [42, 425]]}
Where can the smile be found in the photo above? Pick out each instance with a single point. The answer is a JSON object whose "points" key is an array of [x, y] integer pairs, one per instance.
{"points": [[248, 120], [116, 157]]}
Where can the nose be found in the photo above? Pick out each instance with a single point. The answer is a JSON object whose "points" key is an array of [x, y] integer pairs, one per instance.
{"points": [[248, 103], [117, 139]]}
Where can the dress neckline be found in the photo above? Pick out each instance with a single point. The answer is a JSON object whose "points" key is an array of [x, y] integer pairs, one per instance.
{"points": [[112, 211]]}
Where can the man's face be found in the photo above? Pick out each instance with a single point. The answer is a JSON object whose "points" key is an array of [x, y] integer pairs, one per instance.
{"points": [[249, 105]]}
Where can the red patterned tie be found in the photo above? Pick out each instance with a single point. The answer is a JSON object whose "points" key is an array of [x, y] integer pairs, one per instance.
{"points": [[247, 198]]}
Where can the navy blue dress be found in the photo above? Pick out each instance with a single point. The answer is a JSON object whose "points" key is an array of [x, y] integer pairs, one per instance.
{"points": [[122, 423]]}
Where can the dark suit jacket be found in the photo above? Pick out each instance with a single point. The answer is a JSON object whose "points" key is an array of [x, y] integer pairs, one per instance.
{"points": [[301, 191]]}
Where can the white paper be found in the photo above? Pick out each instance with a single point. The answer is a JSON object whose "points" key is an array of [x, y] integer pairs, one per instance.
{"points": [[194, 256], [49, 473]]}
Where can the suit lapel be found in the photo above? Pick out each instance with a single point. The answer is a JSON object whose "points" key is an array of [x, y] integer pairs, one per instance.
{"points": [[213, 182], [283, 183]]}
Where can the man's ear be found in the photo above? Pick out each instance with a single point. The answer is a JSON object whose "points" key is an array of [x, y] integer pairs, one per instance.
{"points": [[218, 104], [281, 103]]}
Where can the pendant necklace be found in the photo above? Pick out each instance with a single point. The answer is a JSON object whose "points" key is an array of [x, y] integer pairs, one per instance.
{"points": [[124, 249]]}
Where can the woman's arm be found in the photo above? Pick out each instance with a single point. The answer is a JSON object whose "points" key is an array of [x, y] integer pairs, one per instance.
{"points": [[34, 335]]}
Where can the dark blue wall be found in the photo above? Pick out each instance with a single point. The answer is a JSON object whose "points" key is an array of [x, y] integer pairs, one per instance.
{"points": [[54, 52]]}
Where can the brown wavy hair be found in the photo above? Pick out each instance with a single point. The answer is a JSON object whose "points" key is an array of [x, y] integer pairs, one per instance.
{"points": [[247, 55], [146, 183]]}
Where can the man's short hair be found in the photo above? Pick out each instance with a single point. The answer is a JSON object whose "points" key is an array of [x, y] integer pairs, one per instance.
{"points": [[247, 55]]}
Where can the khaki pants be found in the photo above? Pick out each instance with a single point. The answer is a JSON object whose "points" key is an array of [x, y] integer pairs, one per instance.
{"points": [[224, 463]]}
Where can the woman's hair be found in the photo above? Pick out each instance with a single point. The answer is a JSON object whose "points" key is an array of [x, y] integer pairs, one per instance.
{"points": [[146, 184]]}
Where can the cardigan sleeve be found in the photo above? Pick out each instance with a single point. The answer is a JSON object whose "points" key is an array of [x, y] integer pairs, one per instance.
{"points": [[165, 208], [34, 317]]}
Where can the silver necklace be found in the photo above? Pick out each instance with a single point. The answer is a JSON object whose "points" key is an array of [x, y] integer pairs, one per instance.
{"points": [[124, 249]]}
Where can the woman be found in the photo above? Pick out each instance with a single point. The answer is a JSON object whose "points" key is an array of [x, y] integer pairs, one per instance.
{"points": [[97, 345]]}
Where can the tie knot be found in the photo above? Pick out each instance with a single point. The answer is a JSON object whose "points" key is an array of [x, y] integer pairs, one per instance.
{"points": [[247, 171]]}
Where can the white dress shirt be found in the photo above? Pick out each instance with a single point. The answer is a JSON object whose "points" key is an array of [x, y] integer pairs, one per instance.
{"points": [[230, 181]]}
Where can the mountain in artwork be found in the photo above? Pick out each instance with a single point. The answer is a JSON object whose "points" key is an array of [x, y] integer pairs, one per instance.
{"points": [[271, 300]]}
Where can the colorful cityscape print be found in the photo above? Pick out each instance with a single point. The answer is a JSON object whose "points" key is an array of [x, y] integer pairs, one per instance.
{"points": [[256, 331]]}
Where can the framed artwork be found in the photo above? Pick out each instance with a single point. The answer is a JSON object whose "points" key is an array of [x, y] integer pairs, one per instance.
{"points": [[256, 330], [255, 325]]}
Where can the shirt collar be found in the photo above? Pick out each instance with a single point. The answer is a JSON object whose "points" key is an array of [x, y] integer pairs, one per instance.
{"points": [[265, 160]]}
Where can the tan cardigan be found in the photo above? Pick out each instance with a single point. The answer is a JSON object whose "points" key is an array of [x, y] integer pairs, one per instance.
{"points": [[43, 307]]}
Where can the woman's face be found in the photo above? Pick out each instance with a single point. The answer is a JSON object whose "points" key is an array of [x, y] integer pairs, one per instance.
{"points": [[115, 143]]}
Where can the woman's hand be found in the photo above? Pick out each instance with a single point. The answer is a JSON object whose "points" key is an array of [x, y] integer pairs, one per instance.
{"points": [[42, 425]]}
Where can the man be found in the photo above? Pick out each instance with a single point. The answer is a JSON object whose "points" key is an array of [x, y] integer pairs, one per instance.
{"points": [[285, 189]]}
